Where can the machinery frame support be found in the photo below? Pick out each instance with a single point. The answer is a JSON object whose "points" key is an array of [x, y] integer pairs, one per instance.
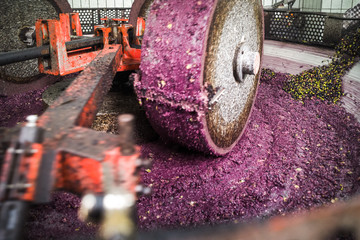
{"points": [[57, 33], [71, 156]]}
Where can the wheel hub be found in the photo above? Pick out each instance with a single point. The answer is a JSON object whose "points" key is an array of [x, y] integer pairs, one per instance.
{"points": [[199, 75], [245, 62]]}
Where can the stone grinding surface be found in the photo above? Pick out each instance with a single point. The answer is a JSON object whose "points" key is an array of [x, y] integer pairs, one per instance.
{"points": [[171, 85], [293, 156], [145, 9], [233, 22], [236, 20], [175, 87], [16, 14]]}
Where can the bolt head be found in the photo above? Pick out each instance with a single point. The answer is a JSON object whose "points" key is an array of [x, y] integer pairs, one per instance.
{"points": [[31, 120]]}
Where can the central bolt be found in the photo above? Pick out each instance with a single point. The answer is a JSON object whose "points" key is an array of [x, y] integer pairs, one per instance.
{"points": [[245, 62], [251, 63], [126, 127]]}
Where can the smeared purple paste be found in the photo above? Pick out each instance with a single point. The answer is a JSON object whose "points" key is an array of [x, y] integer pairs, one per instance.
{"points": [[171, 86], [14, 109], [58, 220], [293, 156]]}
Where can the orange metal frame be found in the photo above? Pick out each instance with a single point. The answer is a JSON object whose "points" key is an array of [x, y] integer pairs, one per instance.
{"points": [[88, 173], [69, 155], [62, 62], [56, 33], [72, 156], [132, 56], [28, 167]]}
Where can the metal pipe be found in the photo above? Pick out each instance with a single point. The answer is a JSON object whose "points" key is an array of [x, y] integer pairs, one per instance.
{"points": [[44, 51], [83, 42], [126, 127]]}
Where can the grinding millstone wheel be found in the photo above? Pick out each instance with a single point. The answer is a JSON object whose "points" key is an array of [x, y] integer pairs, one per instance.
{"points": [[139, 8], [200, 70], [17, 18]]}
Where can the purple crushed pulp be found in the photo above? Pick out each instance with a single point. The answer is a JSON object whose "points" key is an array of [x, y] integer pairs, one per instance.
{"points": [[292, 156], [171, 86], [14, 109], [58, 220]]}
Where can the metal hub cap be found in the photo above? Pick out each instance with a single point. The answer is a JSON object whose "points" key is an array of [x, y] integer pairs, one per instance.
{"points": [[245, 62]]}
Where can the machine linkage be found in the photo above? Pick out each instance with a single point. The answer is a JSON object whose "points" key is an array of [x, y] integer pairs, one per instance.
{"points": [[62, 49], [59, 150]]}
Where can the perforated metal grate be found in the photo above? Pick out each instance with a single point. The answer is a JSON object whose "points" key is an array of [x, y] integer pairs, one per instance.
{"points": [[352, 13], [86, 19], [299, 27], [91, 17]]}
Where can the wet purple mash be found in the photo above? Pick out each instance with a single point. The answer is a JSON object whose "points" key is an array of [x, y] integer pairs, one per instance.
{"points": [[171, 86], [14, 109], [58, 220], [293, 156]]}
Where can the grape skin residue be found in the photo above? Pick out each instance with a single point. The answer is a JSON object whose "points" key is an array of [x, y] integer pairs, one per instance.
{"points": [[293, 156], [14, 109]]}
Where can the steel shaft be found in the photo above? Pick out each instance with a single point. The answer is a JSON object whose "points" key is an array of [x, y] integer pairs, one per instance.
{"points": [[44, 51]]}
